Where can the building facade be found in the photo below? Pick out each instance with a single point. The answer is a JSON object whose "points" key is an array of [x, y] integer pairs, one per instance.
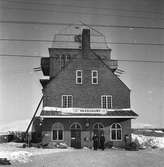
{"points": [[83, 97]]}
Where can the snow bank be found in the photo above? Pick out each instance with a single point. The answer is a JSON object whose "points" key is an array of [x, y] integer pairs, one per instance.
{"points": [[21, 156], [15, 153], [149, 141]]}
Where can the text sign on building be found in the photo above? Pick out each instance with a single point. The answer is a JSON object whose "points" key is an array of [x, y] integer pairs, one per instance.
{"points": [[77, 110]]}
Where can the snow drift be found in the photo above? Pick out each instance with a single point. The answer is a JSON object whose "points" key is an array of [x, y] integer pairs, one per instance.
{"points": [[148, 141]]}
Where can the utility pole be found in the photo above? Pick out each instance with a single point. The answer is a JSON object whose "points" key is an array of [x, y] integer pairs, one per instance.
{"points": [[27, 136]]}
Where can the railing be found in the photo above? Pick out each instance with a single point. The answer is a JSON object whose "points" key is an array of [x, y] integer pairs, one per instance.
{"points": [[113, 64]]}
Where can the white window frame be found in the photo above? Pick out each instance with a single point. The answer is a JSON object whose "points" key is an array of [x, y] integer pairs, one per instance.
{"points": [[68, 59], [57, 133], [77, 77], [94, 77], [67, 101], [116, 129], [106, 97]]}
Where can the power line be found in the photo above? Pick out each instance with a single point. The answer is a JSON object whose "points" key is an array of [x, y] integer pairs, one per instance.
{"points": [[123, 60], [81, 13], [82, 7], [140, 61], [22, 56], [131, 27], [96, 42]]}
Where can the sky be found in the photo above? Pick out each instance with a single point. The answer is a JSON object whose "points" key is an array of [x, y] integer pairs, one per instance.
{"points": [[133, 28]]}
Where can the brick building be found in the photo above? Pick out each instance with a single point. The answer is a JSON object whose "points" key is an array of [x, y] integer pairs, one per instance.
{"points": [[83, 96]]}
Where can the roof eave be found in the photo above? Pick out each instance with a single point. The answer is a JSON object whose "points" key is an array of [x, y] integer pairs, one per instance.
{"points": [[85, 116]]}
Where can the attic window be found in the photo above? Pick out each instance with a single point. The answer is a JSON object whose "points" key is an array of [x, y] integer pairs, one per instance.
{"points": [[94, 77], [68, 57], [78, 76], [62, 61]]}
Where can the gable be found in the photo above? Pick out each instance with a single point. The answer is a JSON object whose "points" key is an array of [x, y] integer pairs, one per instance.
{"points": [[86, 95], [92, 62]]}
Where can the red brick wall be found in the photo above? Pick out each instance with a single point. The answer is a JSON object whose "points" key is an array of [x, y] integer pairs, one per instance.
{"points": [[86, 132], [86, 95]]}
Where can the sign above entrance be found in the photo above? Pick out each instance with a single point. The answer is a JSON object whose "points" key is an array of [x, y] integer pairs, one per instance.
{"points": [[77, 110]]}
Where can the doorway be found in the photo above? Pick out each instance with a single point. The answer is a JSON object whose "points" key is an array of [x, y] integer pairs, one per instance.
{"points": [[76, 135], [98, 129]]}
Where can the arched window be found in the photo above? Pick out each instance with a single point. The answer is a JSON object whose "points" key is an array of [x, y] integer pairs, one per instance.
{"points": [[98, 126], [57, 131], [116, 132], [75, 126], [98, 129]]}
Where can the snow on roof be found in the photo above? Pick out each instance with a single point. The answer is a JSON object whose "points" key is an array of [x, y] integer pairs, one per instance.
{"points": [[87, 113]]}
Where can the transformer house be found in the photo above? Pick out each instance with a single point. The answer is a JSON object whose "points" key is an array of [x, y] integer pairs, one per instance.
{"points": [[83, 96]]}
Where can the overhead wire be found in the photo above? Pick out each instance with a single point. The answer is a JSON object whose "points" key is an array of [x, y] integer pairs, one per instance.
{"points": [[131, 27], [63, 41], [123, 60]]}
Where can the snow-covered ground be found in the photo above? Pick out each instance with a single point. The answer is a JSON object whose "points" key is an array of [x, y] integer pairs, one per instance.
{"points": [[149, 141], [14, 152]]}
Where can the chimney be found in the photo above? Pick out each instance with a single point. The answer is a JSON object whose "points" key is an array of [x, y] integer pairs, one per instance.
{"points": [[85, 42]]}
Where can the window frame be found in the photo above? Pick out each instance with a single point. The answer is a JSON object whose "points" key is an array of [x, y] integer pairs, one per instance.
{"points": [[94, 77], [106, 101], [57, 132], [116, 130], [67, 101], [81, 77]]}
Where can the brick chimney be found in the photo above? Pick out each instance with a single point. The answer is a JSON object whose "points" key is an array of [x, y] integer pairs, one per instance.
{"points": [[85, 42]]}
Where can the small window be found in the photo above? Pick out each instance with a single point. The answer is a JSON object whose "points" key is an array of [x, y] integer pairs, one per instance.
{"points": [[116, 132], [62, 61], [68, 58], [57, 131], [78, 76], [67, 101], [106, 101], [94, 77]]}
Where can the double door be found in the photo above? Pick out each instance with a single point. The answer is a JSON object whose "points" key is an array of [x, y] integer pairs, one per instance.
{"points": [[76, 138]]}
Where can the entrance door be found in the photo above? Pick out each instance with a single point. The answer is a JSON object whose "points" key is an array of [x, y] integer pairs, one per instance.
{"points": [[98, 130], [76, 135]]}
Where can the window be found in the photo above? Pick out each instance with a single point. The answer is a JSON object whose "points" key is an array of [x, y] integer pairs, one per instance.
{"points": [[94, 77], [67, 101], [78, 76], [116, 132], [75, 126], [106, 101], [98, 129], [62, 61], [57, 131], [68, 58]]}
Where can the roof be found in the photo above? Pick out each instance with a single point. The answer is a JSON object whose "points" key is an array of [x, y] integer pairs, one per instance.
{"points": [[52, 112]]}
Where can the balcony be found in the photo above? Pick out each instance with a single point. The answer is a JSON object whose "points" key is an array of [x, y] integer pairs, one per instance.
{"points": [[113, 65]]}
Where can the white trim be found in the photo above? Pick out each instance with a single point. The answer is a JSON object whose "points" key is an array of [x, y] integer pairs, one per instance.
{"points": [[47, 108], [106, 96], [94, 77], [116, 132], [81, 76], [67, 101], [84, 116]]}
